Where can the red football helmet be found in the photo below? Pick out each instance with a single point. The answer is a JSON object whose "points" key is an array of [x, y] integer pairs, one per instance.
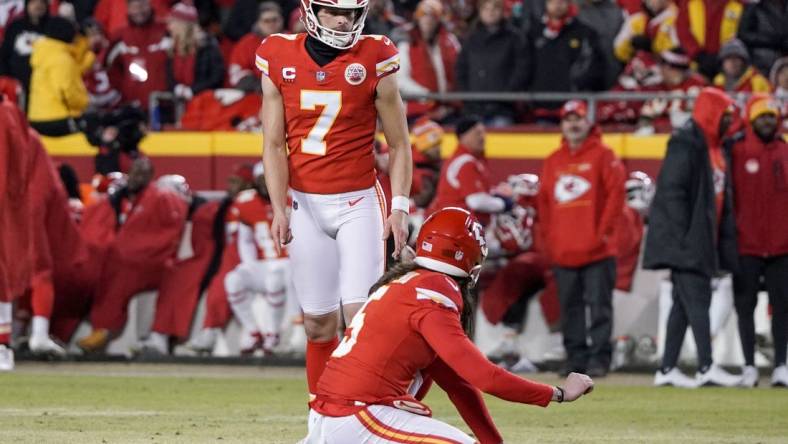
{"points": [[640, 191], [452, 241], [335, 39], [514, 230], [175, 183]]}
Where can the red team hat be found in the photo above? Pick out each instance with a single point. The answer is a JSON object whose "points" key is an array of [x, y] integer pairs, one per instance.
{"points": [[577, 107], [184, 11], [451, 241]]}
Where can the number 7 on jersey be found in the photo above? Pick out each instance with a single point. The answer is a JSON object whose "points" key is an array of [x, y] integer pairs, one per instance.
{"points": [[331, 101]]}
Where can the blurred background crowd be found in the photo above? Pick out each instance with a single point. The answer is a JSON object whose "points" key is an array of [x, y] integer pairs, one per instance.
{"points": [[190, 65], [570, 235]]}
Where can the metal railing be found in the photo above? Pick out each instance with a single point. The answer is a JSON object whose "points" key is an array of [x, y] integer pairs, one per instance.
{"points": [[592, 99]]}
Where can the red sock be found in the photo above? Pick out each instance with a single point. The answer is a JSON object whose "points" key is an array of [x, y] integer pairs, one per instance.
{"points": [[43, 296], [317, 354], [5, 323]]}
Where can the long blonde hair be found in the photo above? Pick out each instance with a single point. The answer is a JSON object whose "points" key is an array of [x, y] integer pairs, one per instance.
{"points": [[185, 39]]}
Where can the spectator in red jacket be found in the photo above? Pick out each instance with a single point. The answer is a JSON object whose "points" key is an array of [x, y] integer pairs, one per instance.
{"points": [[242, 73], [427, 40], [112, 14], [760, 184], [677, 77], [703, 26], [195, 62], [137, 55], [580, 207]]}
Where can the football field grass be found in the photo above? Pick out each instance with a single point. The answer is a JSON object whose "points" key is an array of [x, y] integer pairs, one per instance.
{"points": [[142, 403]]}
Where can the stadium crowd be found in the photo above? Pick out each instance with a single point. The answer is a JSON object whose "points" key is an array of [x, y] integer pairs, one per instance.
{"points": [[72, 59], [570, 235]]}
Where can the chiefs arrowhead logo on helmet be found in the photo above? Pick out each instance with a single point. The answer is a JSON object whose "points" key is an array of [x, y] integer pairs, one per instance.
{"points": [[452, 241]]}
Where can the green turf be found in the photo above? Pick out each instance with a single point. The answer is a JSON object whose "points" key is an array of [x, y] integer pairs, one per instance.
{"points": [[73, 408]]}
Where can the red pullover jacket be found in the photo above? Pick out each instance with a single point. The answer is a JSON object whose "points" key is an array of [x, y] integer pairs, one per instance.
{"points": [[581, 202]]}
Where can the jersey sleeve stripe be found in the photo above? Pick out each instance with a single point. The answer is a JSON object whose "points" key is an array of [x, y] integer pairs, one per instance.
{"points": [[261, 63], [431, 295], [388, 65]]}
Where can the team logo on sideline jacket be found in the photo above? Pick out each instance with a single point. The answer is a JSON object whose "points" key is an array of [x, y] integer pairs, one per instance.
{"points": [[569, 187]]}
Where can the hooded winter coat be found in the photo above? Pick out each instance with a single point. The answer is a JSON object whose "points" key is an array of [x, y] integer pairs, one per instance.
{"points": [[686, 229], [760, 179], [18, 45], [56, 87]]}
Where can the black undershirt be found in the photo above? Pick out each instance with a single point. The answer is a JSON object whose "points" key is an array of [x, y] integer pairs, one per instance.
{"points": [[321, 53]]}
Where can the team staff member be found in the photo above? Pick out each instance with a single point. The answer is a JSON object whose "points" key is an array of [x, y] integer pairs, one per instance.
{"points": [[581, 202], [465, 180], [759, 169], [416, 321], [692, 233]]}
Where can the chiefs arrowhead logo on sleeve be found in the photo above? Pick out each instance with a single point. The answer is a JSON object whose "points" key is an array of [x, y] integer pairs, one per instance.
{"points": [[569, 187]]}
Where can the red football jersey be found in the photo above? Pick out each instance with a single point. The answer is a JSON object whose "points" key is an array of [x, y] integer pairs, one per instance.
{"points": [[330, 114], [242, 58], [462, 175], [402, 328], [257, 213]]}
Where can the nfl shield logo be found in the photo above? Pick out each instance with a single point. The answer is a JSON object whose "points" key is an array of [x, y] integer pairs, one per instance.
{"points": [[320, 76]]}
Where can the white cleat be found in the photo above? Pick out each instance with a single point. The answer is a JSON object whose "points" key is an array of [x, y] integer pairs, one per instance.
{"points": [[674, 378], [749, 376], [717, 376], [204, 341], [6, 358], [780, 376], [250, 341], [523, 365], [44, 345], [270, 342], [155, 344]]}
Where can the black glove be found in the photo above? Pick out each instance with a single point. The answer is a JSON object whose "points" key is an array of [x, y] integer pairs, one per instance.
{"points": [[508, 203], [708, 64], [641, 43]]}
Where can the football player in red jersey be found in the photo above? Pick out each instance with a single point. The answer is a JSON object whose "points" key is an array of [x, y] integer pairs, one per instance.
{"points": [[323, 91], [263, 269], [415, 321]]}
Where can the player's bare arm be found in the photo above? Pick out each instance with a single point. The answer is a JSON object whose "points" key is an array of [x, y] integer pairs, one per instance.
{"points": [[392, 114], [275, 161]]}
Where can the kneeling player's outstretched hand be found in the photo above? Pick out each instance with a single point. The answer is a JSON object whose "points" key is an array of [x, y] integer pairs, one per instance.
{"points": [[577, 385]]}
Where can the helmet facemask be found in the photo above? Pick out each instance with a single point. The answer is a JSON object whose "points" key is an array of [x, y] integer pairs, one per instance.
{"points": [[332, 38]]}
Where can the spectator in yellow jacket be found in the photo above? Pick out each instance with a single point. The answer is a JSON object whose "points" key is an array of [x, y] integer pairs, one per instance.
{"points": [[58, 96], [737, 74]]}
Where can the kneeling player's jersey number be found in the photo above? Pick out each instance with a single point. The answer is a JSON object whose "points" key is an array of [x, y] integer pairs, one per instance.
{"points": [[357, 324], [331, 101]]}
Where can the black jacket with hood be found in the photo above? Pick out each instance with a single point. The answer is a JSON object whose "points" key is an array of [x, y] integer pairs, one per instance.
{"points": [[18, 45], [683, 229]]}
